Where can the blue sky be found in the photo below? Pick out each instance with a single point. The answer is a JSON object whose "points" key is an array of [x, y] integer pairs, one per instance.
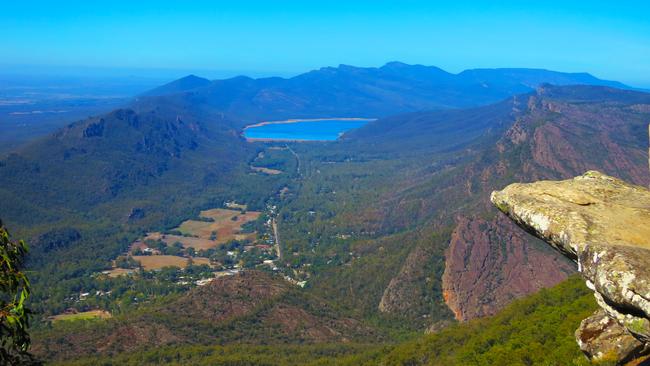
{"points": [[610, 39]]}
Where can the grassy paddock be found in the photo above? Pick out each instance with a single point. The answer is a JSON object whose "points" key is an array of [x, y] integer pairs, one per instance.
{"points": [[84, 315]]}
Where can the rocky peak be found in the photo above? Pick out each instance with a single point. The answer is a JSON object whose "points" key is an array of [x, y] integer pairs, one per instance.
{"points": [[603, 224]]}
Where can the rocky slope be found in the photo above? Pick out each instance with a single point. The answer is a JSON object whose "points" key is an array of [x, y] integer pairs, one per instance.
{"points": [[603, 224], [491, 259]]}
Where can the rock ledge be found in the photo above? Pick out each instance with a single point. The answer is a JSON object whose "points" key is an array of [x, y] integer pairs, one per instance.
{"points": [[603, 224]]}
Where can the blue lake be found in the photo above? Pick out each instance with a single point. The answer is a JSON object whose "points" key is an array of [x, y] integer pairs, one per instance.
{"points": [[304, 130]]}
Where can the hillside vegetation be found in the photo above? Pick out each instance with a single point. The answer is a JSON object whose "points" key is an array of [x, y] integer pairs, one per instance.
{"points": [[537, 330], [250, 307]]}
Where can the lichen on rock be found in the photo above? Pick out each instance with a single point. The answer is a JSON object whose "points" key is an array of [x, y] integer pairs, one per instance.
{"points": [[602, 338], [603, 224]]}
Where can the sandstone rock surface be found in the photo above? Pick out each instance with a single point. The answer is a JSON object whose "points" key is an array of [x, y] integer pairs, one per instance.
{"points": [[603, 224], [602, 338]]}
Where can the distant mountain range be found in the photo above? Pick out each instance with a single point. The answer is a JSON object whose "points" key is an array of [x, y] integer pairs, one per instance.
{"points": [[363, 92]]}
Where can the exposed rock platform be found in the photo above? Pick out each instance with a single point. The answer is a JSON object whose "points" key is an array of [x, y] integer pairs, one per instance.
{"points": [[603, 224]]}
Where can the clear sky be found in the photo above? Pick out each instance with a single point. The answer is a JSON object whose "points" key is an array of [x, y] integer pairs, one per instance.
{"points": [[610, 39]]}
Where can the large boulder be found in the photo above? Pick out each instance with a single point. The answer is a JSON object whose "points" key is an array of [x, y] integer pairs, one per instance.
{"points": [[603, 224]]}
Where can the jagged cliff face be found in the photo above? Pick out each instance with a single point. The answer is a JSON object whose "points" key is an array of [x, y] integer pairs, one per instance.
{"points": [[554, 136], [558, 138], [494, 260], [603, 224]]}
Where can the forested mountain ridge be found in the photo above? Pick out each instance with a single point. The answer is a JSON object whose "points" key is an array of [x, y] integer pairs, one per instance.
{"points": [[105, 158]]}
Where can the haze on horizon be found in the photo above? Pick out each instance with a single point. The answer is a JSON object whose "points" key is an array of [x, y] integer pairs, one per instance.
{"points": [[610, 40]]}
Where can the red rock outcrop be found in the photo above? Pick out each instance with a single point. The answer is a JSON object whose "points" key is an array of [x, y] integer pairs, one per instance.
{"points": [[490, 263]]}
